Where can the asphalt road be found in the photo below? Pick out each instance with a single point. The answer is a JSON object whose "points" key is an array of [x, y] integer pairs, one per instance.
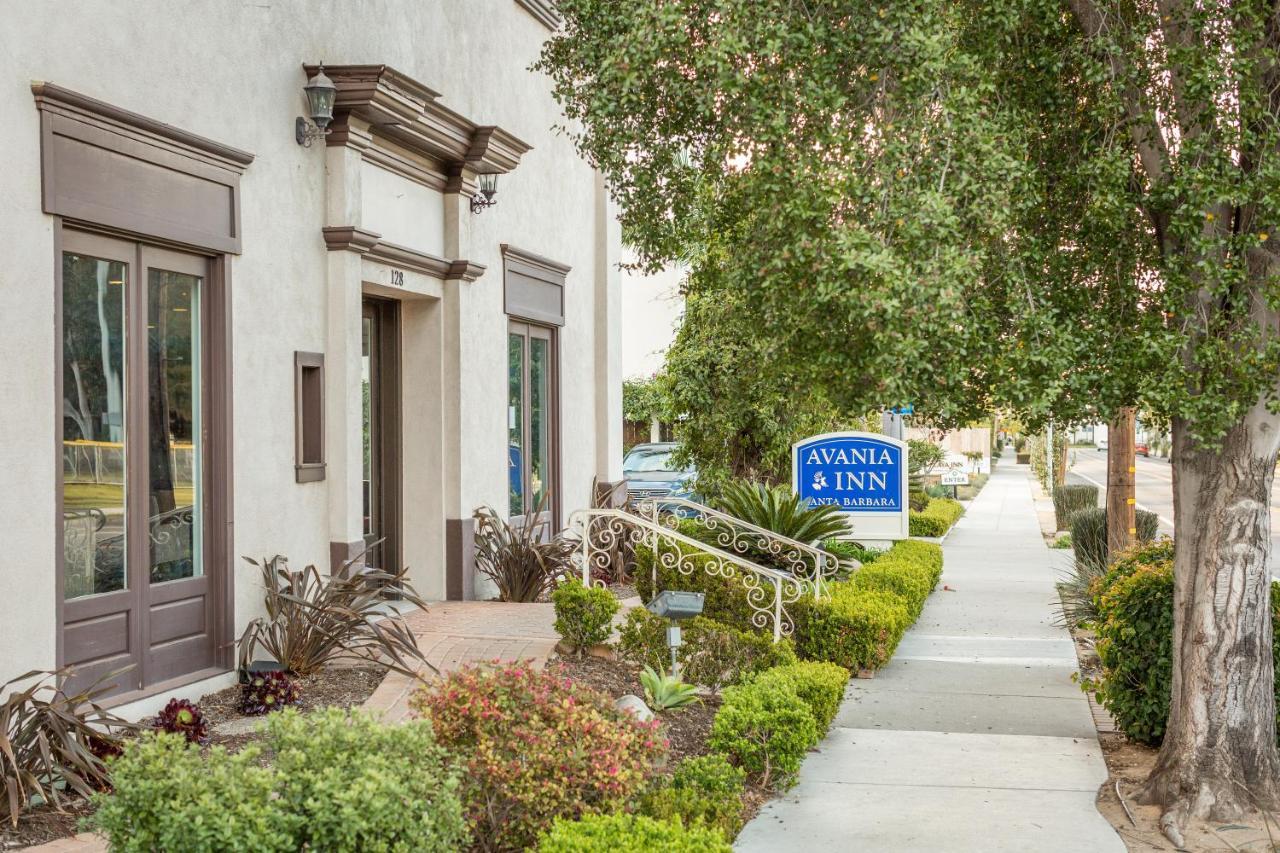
{"points": [[1154, 486]]}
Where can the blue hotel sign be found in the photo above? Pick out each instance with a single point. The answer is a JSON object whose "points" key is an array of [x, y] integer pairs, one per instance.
{"points": [[864, 474]]}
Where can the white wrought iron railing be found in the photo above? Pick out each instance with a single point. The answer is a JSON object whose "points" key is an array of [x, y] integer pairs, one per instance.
{"points": [[733, 534], [604, 533]]}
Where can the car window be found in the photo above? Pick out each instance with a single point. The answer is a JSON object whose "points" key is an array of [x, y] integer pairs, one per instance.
{"points": [[648, 459]]}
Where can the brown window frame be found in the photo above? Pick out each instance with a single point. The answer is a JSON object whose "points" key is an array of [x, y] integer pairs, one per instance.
{"points": [[528, 331], [308, 416]]}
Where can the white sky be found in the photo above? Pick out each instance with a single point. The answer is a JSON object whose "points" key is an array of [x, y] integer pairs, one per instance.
{"points": [[651, 306]]}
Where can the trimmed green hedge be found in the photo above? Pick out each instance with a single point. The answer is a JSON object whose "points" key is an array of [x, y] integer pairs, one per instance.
{"points": [[855, 628], [910, 569], [765, 729], [628, 833], [819, 685], [705, 790], [936, 518], [1135, 640]]}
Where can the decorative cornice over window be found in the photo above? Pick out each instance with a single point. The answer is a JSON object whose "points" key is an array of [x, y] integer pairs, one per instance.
{"points": [[362, 241], [545, 11], [408, 113]]}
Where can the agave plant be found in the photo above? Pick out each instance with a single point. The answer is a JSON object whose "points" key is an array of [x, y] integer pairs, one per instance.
{"points": [[267, 692], [666, 692], [781, 510], [53, 742], [522, 560], [313, 619], [184, 718]]}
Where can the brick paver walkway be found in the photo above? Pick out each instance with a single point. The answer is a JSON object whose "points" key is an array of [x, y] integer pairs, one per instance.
{"points": [[453, 633]]}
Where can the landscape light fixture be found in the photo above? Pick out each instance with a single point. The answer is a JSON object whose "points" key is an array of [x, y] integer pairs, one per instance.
{"points": [[321, 94], [675, 605], [488, 189]]}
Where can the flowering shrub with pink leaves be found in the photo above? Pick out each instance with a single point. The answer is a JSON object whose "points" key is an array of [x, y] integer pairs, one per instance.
{"points": [[535, 747]]}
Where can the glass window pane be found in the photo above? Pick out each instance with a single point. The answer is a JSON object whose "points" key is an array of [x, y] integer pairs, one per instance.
{"points": [[515, 422], [367, 344], [93, 469], [540, 422], [174, 452]]}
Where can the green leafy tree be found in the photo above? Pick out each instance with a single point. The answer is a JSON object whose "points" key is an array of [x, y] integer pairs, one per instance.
{"points": [[1052, 207]]}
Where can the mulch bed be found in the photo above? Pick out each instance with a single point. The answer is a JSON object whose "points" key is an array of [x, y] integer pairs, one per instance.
{"points": [[340, 685], [686, 729]]}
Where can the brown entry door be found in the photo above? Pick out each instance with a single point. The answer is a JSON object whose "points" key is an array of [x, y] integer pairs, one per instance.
{"points": [[380, 379], [137, 550]]}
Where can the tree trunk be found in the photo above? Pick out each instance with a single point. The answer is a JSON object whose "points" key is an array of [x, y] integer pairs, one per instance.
{"points": [[1219, 754]]}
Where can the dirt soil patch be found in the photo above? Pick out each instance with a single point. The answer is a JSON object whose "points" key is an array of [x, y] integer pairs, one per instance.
{"points": [[342, 686]]}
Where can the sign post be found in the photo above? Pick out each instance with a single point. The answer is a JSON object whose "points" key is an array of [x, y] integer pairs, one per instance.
{"points": [[955, 477], [863, 474]]}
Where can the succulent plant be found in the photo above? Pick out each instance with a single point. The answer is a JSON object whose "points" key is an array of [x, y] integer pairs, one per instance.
{"points": [[183, 718], [266, 692]]}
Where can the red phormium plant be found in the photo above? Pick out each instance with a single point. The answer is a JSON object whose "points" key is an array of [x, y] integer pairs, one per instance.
{"points": [[183, 718], [537, 747], [267, 692]]}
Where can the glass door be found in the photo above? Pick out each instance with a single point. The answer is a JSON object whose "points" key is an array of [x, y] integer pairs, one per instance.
{"points": [[133, 495], [531, 424], [380, 431]]}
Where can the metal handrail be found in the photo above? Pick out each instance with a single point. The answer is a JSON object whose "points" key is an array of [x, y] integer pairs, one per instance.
{"points": [[768, 590], [737, 535]]}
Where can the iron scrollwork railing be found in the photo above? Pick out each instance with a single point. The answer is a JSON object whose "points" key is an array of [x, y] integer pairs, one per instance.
{"points": [[767, 590], [740, 537]]}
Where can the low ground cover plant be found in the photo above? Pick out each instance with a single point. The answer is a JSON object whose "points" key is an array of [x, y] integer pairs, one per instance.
{"points": [[534, 747], [936, 518], [628, 833], [713, 654], [584, 615], [703, 791], [339, 781], [266, 692], [52, 743]]}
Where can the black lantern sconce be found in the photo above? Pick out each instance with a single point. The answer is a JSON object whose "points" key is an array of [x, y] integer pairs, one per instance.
{"points": [[321, 94], [488, 189]]}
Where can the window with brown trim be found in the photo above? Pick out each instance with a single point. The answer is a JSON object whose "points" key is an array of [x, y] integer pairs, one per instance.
{"points": [[533, 427], [308, 395]]}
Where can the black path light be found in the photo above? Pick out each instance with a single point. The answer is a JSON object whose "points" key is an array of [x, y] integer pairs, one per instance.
{"points": [[675, 606], [321, 93]]}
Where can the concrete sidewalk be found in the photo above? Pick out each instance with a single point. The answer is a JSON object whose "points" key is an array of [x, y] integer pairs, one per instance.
{"points": [[974, 736]]}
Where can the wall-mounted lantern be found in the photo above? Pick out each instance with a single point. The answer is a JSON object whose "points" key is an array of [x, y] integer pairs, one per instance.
{"points": [[321, 94], [488, 189]]}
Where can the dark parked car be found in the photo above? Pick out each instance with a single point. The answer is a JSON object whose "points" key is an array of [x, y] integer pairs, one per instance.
{"points": [[650, 473]]}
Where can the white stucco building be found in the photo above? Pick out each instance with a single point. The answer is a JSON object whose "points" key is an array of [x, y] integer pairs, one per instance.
{"points": [[221, 342]]}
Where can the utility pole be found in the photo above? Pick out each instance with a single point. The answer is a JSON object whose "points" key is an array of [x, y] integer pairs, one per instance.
{"points": [[1121, 490]]}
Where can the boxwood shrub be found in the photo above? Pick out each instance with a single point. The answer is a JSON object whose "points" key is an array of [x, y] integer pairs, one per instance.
{"points": [[765, 729], [584, 615], [819, 685], [703, 791], [713, 654], [910, 569], [855, 628], [1135, 640], [628, 833], [936, 518]]}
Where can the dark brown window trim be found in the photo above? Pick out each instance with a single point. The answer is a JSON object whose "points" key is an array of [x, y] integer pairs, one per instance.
{"points": [[533, 286], [544, 11], [308, 417], [351, 238], [80, 135]]}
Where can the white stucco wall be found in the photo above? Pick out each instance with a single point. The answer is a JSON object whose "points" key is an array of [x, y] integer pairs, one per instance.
{"points": [[232, 72], [651, 309]]}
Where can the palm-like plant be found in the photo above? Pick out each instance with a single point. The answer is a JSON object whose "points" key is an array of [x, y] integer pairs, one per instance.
{"points": [[781, 510]]}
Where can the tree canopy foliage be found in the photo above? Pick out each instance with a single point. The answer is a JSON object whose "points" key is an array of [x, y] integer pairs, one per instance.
{"points": [[956, 204]]}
